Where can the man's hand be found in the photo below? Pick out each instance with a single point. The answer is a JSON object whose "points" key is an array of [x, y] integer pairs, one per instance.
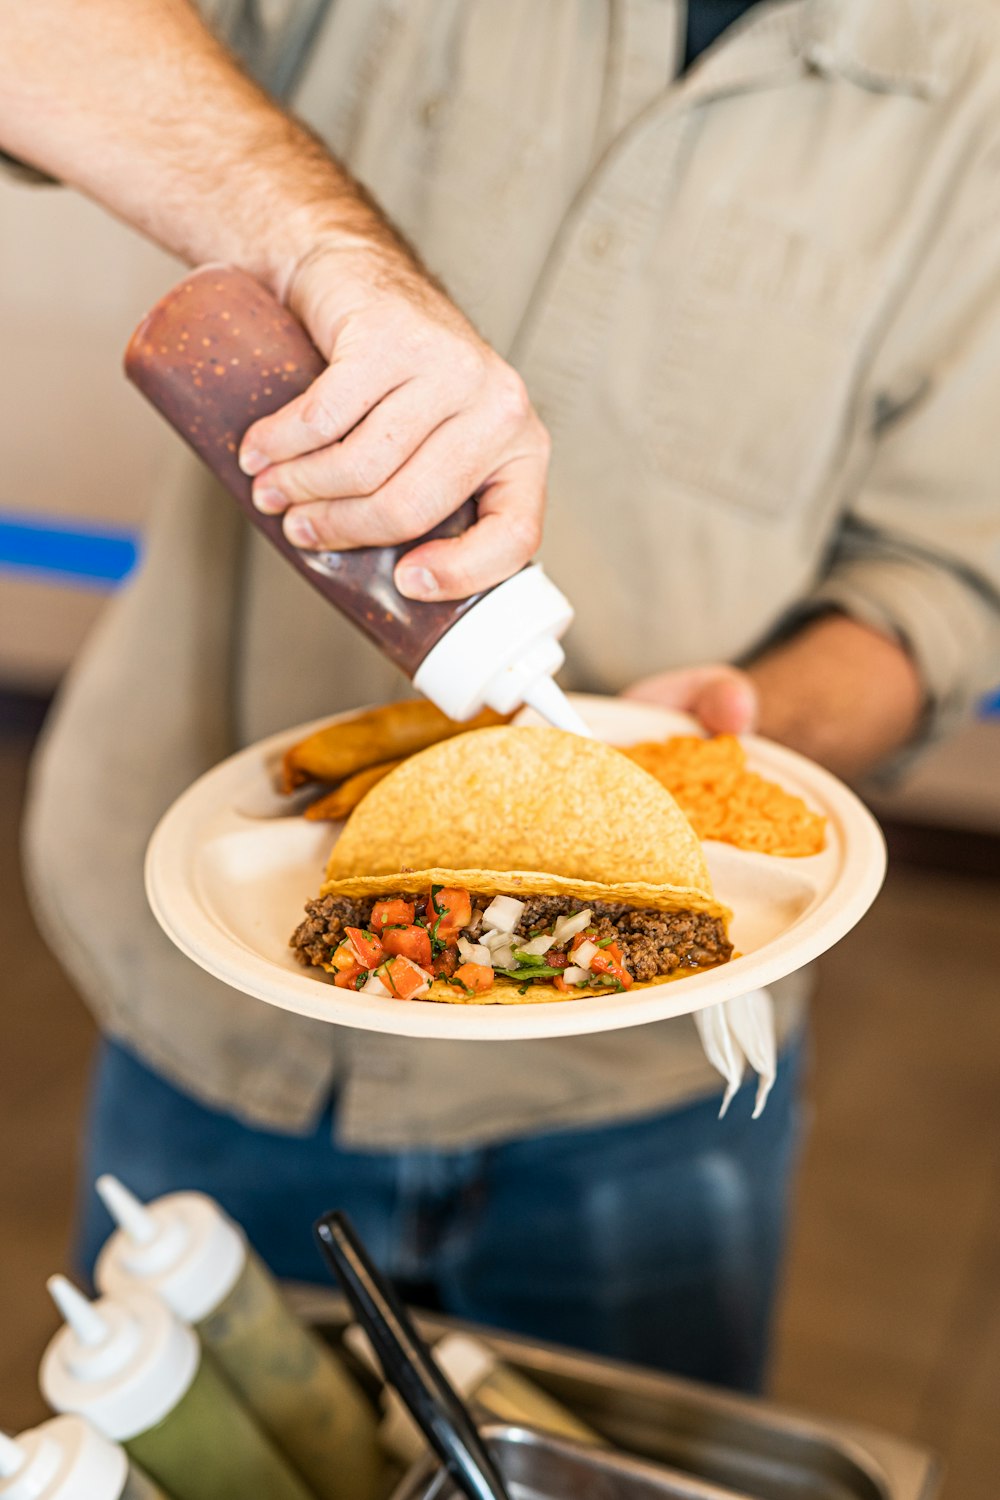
{"points": [[415, 414], [844, 694], [138, 106], [723, 699]]}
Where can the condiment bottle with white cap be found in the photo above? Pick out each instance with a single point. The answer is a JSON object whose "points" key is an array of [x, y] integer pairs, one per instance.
{"points": [[139, 1375], [218, 352], [188, 1251], [67, 1459], [482, 1380]]}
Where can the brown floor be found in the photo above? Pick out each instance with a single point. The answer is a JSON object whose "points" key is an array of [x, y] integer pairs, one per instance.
{"points": [[892, 1307]]}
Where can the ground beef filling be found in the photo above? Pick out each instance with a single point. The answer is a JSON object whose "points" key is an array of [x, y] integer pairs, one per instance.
{"points": [[653, 943]]}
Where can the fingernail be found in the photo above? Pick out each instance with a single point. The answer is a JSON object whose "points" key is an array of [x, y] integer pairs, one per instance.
{"points": [[416, 583], [252, 462], [301, 531], [270, 500]]}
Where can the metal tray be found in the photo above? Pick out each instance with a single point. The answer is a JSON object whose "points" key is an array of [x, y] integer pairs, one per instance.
{"points": [[538, 1466], [752, 1449]]}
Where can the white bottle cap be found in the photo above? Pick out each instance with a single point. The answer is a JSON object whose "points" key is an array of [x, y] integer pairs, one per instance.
{"points": [[503, 653], [464, 1361], [183, 1247], [122, 1362], [64, 1459]]}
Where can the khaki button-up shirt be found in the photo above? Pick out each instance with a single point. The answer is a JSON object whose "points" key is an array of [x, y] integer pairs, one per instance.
{"points": [[759, 309]]}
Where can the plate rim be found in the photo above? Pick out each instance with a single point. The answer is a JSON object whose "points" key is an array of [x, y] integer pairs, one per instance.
{"points": [[863, 866]]}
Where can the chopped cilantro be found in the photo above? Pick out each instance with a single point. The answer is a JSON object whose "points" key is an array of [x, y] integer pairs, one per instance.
{"points": [[605, 942], [529, 972]]}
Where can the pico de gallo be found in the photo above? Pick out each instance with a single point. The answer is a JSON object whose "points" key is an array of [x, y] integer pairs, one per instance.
{"points": [[406, 947]]}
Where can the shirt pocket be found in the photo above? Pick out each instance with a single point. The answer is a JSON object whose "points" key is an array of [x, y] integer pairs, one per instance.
{"points": [[756, 361]]}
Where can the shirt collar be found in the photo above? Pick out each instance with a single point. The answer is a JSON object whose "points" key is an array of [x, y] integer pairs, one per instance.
{"points": [[900, 46], [892, 46]]}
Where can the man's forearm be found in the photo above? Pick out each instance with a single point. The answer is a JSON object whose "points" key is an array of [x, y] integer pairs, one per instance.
{"points": [[841, 693], [135, 104]]}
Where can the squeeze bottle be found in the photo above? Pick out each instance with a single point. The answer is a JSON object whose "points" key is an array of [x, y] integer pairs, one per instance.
{"points": [[480, 1378], [138, 1374], [190, 1253], [218, 352], [67, 1459]]}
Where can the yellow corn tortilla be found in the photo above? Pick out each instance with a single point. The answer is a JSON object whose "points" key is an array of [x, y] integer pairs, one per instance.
{"points": [[523, 811]]}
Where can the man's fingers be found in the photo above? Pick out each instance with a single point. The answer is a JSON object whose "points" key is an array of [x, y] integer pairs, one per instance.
{"points": [[505, 537], [444, 472], [727, 704], [677, 689], [720, 697], [363, 462], [334, 403]]}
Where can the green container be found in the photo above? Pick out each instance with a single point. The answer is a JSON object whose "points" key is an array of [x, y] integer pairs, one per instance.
{"points": [[187, 1250], [141, 1378]]}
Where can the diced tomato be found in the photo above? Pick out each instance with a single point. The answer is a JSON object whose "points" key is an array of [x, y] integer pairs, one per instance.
{"points": [[403, 978], [367, 948], [347, 979], [477, 977], [344, 957], [556, 959], [445, 964], [392, 914], [449, 910], [410, 942], [583, 937], [610, 960]]}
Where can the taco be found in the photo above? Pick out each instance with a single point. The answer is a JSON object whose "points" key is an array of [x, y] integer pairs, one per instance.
{"points": [[512, 865]]}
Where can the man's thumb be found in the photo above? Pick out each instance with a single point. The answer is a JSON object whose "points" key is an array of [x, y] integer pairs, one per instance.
{"points": [[727, 704]]}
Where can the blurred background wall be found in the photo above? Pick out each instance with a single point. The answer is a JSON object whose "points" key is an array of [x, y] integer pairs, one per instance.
{"points": [[77, 446]]}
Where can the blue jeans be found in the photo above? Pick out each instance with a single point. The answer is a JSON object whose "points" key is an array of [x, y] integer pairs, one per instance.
{"points": [[656, 1241]]}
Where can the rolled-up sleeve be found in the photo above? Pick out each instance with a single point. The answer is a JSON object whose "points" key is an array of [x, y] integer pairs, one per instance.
{"points": [[917, 554]]}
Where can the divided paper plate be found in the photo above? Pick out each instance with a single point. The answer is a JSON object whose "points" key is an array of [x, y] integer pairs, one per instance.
{"points": [[230, 868]]}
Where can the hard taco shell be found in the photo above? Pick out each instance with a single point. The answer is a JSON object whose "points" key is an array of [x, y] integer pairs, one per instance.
{"points": [[524, 811]]}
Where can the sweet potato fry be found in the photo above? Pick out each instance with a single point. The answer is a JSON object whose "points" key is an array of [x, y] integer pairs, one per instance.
{"points": [[380, 734], [344, 799]]}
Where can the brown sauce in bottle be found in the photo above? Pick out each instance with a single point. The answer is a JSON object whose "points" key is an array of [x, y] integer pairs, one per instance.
{"points": [[214, 355]]}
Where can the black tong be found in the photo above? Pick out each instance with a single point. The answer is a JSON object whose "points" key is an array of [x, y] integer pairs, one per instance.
{"points": [[407, 1362]]}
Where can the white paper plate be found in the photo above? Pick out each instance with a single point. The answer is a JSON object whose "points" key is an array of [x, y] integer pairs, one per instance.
{"points": [[228, 872]]}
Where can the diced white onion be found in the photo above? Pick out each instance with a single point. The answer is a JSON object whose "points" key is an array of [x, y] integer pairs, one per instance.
{"points": [[474, 953], [538, 946], [495, 940], [374, 986], [568, 927], [575, 975], [503, 958], [503, 914], [586, 952]]}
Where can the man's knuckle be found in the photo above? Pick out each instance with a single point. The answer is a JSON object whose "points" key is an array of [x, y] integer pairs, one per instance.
{"points": [[320, 416], [524, 530], [512, 397], [364, 473]]}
